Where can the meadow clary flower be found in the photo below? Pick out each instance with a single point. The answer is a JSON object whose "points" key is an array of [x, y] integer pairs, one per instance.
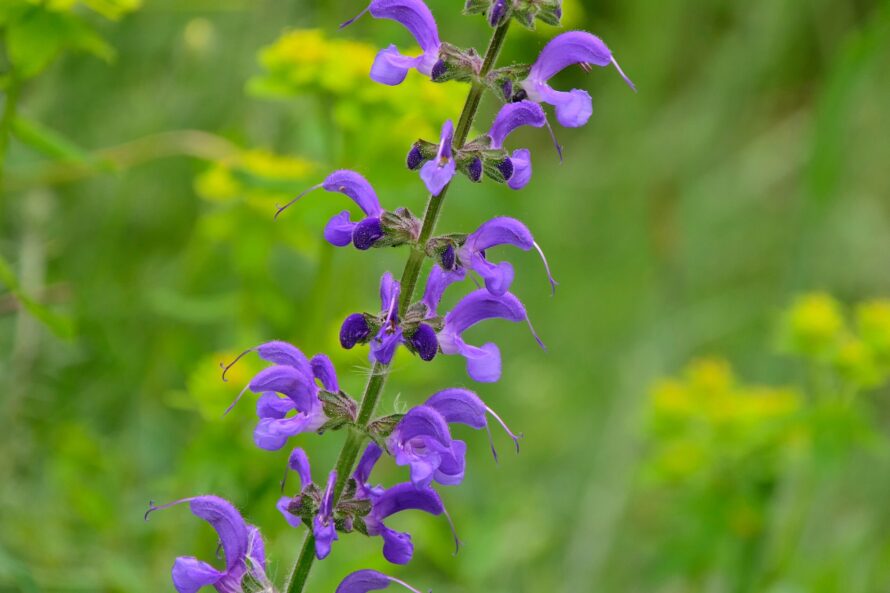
{"points": [[510, 117], [289, 403], [437, 173], [483, 362], [422, 440], [242, 546], [472, 255], [387, 328], [363, 581], [386, 502], [391, 67], [573, 108], [323, 527], [341, 230]]}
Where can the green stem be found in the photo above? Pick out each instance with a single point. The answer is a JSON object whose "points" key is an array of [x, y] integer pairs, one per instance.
{"points": [[379, 372]]}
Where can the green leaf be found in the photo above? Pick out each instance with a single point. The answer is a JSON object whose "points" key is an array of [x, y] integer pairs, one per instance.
{"points": [[60, 325], [47, 141]]}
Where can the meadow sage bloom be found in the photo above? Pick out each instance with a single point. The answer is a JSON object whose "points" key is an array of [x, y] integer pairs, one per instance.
{"points": [[391, 67], [386, 502], [422, 440], [437, 173], [573, 108], [289, 403], [319, 503], [472, 253], [241, 543], [510, 117], [362, 581]]}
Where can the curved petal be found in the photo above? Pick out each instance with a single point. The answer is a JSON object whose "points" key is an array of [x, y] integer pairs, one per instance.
{"points": [[190, 574], [282, 506], [298, 462], [391, 67], [270, 405], [323, 370], [338, 231], [522, 168], [436, 176], [478, 306], [288, 381], [414, 15], [390, 290], [498, 276], [423, 421], [453, 465], [256, 550], [405, 497], [362, 581], [369, 459], [512, 116], [459, 405], [355, 187], [573, 108], [501, 230], [436, 284], [446, 138], [483, 362], [566, 49], [325, 535], [227, 522], [283, 353]]}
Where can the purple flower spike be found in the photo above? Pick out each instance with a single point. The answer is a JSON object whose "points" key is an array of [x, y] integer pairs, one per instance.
{"points": [[323, 526], [438, 172], [573, 108], [363, 581], [241, 543], [295, 378], [483, 362], [391, 67], [462, 406], [498, 231], [340, 229]]}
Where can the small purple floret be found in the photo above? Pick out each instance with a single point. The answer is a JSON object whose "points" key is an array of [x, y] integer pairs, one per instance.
{"points": [[506, 169], [415, 158], [440, 68], [366, 233], [496, 15], [474, 170], [355, 329], [447, 258]]}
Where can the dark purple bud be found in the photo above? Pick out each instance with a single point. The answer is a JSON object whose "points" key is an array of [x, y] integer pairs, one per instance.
{"points": [[424, 342], [415, 158], [506, 169], [520, 95], [439, 70], [474, 170], [366, 233], [497, 12], [557, 12], [447, 258], [355, 329], [507, 89]]}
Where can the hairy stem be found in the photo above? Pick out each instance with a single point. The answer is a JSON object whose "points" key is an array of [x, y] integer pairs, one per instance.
{"points": [[379, 372]]}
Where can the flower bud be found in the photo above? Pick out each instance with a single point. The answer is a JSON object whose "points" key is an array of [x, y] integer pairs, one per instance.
{"points": [[456, 64], [498, 13], [423, 341], [366, 233], [355, 330]]}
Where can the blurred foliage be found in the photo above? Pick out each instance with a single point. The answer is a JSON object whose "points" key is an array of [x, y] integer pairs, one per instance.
{"points": [[138, 251]]}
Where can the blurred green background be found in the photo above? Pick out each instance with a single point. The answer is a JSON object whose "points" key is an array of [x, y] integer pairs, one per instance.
{"points": [[695, 424]]}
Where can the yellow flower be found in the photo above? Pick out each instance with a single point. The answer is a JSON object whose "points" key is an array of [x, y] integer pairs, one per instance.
{"points": [[814, 324]]}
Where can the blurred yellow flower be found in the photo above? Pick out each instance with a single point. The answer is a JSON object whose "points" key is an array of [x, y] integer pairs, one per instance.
{"points": [[814, 324]]}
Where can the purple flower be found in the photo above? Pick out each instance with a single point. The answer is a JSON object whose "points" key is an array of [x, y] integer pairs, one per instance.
{"points": [[422, 440], [438, 172], [295, 378], [323, 527], [573, 108], [340, 230], [497, 231], [362, 581], [241, 543], [391, 67], [510, 117], [387, 328], [483, 362], [397, 546]]}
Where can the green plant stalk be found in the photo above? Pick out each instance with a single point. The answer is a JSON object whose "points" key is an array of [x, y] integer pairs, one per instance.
{"points": [[379, 372]]}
